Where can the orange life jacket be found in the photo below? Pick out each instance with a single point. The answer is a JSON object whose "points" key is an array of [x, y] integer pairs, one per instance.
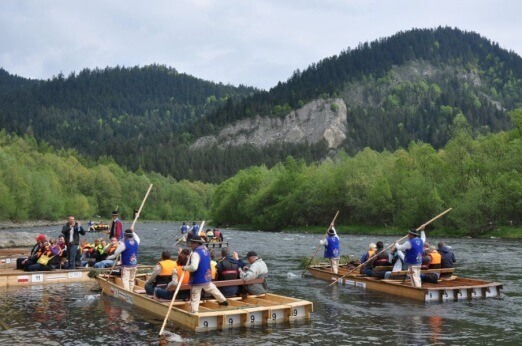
{"points": [[186, 277], [435, 258]]}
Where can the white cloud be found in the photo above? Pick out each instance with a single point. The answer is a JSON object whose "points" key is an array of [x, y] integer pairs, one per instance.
{"points": [[240, 42]]}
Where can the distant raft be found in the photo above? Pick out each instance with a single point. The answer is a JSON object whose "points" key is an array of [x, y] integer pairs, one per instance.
{"points": [[449, 287]]}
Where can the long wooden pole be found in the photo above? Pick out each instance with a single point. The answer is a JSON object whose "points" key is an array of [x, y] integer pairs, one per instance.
{"points": [[392, 244], [141, 207], [132, 228], [318, 246], [172, 301]]}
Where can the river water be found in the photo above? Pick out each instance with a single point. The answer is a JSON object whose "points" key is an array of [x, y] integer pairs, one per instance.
{"points": [[75, 314]]}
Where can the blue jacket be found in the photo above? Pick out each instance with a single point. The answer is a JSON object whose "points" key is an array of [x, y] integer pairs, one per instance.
{"points": [[447, 257], [203, 274]]}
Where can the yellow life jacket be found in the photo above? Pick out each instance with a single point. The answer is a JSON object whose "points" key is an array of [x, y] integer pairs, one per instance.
{"points": [[167, 266]]}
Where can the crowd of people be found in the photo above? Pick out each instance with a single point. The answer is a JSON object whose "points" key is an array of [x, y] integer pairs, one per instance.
{"points": [[196, 266], [67, 251], [201, 270], [413, 255]]}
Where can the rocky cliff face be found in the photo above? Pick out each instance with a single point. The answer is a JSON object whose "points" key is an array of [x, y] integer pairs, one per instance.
{"points": [[316, 121]]}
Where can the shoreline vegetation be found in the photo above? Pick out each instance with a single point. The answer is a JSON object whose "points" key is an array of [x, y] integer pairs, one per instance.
{"points": [[502, 232]]}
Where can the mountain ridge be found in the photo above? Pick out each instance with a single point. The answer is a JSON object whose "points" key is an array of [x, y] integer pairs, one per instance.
{"points": [[145, 123]]}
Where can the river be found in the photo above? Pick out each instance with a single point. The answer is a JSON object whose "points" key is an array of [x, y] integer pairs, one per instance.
{"points": [[75, 314]]}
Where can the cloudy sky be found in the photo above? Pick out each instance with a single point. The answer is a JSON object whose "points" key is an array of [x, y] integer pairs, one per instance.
{"points": [[251, 42]]}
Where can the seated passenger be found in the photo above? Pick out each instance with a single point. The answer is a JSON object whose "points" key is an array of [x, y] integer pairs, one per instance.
{"points": [[381, 260], [367, 267], [36, 251], [49, 258], [99, 254], [87, 253], [435, 258], [161, 274], [257, 269], [209, 234], [228, 269], [177, 272], [108, 250], [447, 257], [218, 235], [425, 259], [63, 254], [396, 258]]}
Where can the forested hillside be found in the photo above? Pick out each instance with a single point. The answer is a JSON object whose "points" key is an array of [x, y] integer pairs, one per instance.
{"points": [[127, 113], [399, 89], [479, 178], [406, 87], [39, 183]]}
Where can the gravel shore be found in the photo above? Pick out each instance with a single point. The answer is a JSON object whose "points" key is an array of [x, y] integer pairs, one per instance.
{"points": [[30, 224]]}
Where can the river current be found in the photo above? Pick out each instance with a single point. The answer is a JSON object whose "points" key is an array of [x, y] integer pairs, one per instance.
{"points": [[75, 314]]}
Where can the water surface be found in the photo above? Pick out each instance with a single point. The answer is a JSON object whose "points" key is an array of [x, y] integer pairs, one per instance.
{"points": [[75, 314]]}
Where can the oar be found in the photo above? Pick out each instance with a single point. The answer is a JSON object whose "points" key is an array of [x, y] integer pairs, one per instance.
{"points": [[318, 246], [392, 244], [132, 227], [173, 298]]}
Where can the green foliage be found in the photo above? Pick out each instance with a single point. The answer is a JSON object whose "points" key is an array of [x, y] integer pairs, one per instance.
{"points": [[478, 178], [37, 184]]}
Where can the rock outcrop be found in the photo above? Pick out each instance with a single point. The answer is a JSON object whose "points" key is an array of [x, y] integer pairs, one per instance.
{"points": [[316, 121]]}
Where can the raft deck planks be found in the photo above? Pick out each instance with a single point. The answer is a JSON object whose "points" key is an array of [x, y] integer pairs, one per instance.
{"points": [[448, 289], [254, 310]]}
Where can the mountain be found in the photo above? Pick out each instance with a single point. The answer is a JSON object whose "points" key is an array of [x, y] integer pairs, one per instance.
{"points": [[382, 94], [406, 87], [127, 113]]}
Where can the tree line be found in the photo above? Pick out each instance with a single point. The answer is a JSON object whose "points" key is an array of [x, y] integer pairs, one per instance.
{"points": [[478, 177], [38, 182]]}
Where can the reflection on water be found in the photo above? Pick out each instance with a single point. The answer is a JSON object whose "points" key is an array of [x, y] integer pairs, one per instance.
{"points": [[75, 314]]}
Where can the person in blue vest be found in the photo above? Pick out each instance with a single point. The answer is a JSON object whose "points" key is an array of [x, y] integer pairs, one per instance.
{"points": [[413, 249], [184, 231], [201, 274], [194, 231], [128, 249], [332, 249]]}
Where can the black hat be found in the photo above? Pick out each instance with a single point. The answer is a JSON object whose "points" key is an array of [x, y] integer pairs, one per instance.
{"points": [[251, 254], [331, 231], [128, 232], [413, 231], [197, 239], [115, 212]]}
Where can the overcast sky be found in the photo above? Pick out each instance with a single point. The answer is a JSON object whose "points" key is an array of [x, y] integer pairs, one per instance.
{"points": [[250, 42]]}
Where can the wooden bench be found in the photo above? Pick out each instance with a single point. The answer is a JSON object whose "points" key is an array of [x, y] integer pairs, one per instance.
{"points": [[382, 268], [225, 283], [140, 285], [444, 273]]}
